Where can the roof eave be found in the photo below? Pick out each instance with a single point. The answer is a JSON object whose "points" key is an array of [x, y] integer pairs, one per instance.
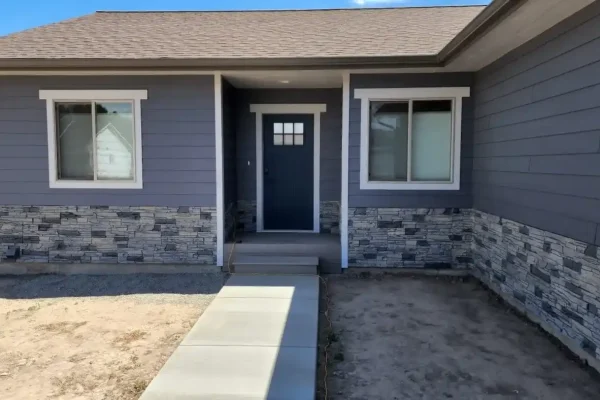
{"points": [[490, 16], [220, 63]]}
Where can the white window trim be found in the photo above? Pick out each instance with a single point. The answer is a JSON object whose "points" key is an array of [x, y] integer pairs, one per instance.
{"points": [[260, 110], [53, 96], [407, 94]]}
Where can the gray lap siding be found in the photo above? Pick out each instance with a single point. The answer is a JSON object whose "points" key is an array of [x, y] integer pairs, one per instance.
{"points": [[409, 198], [178, 138], [537, 131]]}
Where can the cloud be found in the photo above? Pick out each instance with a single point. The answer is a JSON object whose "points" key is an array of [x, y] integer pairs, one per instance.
{"points": [[366, 3]]}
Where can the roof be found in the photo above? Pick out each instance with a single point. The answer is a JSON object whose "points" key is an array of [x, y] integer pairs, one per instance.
{"points": [[298, 34]]}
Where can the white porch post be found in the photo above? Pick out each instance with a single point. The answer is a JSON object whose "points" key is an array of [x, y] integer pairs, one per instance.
{"points": [[219, 166], [345, 144]]}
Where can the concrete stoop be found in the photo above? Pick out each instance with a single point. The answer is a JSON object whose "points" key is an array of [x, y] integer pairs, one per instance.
{"points": [[257, 340], [276, 264]]}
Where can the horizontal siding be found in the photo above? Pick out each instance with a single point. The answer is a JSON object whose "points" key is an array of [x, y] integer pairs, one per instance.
{"points": [[413, 198], [229, 149], [537, 131], [178, 140], [331, 136]]}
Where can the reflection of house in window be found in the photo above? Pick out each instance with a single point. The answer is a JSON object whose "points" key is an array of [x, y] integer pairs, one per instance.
{"points": [[75, 160], [388, 141], [114, 146]]}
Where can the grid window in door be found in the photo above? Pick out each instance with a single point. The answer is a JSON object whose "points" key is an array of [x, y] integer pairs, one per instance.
{"points": [[288, 134]]}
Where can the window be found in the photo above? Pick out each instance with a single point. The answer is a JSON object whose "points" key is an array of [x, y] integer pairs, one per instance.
{"points": [[94, 138], [410, 138], [288, 134]]}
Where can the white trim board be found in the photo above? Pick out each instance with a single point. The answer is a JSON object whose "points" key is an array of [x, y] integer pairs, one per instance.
{"points": [[262, 109], [133, 96], [288, 108], [83, 95], [219, 168], [411, 93], [455, 94]]}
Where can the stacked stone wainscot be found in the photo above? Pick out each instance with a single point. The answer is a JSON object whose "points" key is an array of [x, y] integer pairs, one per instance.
{"points": [[330, 217], [554, 278], [413, 238], [103, 234]]}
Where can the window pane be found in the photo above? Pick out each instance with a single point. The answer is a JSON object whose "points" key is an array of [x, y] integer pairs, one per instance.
{"points": [[388, 141], [299, 140], [74, 140], [288, 140], [298, 127], [277, 127], [114, 141], [277, 140], [288, 127], [431, 140]]}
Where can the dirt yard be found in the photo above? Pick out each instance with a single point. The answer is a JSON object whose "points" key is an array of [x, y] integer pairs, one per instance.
{"points": [[92, 337], [422, 338]]}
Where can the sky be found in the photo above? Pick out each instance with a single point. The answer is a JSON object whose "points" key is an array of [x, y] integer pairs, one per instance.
{"points": [[18, 15]]}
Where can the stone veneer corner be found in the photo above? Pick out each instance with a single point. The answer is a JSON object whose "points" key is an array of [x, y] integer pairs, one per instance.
{"points": [[553, 279]]}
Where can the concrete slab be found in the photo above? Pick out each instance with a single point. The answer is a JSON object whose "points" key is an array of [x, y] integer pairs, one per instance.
{"points": [[257, 340], [273, 286], [236, 373], [257, 322]]}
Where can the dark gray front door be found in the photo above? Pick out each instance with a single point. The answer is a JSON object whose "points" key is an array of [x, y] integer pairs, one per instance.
{"points": [[288, 171]]}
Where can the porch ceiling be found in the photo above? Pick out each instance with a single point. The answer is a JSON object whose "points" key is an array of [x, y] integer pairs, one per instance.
{"points": [[285, 79]]}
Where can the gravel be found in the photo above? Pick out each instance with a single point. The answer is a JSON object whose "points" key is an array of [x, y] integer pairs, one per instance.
{"points": [[162, 288]]}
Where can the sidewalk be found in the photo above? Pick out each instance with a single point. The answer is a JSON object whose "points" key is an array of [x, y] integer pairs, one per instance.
{"points": [[257, 340]]}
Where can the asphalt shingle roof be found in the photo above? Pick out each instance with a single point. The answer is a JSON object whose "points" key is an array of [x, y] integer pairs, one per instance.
{"points": [[243, 34]]}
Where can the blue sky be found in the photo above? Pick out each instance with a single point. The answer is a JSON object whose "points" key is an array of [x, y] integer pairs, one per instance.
{"points": [[17, 15]]}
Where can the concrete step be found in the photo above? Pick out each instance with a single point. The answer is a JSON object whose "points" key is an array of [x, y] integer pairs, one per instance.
{"points": [[326, 247], [274, 264]]}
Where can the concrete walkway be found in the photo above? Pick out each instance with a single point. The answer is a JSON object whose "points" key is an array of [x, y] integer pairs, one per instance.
{"points": [[257, 340]]}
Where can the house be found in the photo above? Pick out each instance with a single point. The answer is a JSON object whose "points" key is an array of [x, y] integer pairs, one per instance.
{"points": [[441, 137]]}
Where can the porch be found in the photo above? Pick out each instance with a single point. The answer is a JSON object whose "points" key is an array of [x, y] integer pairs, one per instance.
{"points": [[282, 136]]}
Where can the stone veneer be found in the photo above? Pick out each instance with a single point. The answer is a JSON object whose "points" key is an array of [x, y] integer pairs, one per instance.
{"points": [[102, 234], [400, 237], [230, 213], [330, 217], [246, 216], [555, 280]]}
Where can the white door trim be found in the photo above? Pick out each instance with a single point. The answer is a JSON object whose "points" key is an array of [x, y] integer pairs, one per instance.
{"points": [[262, 109]]}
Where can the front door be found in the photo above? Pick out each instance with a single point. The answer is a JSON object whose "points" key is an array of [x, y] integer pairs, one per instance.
{"points": [[288, 171]]}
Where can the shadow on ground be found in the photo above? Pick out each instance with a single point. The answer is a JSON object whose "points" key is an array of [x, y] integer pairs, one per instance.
{"points": [[55, 286], [421, 338]]}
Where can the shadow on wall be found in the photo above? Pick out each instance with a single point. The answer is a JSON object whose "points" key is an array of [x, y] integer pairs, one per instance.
{"points": [[56, 286]]}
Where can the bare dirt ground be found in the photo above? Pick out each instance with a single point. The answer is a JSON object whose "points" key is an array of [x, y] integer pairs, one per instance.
{"points": [[93, 337], [422, 338]]}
